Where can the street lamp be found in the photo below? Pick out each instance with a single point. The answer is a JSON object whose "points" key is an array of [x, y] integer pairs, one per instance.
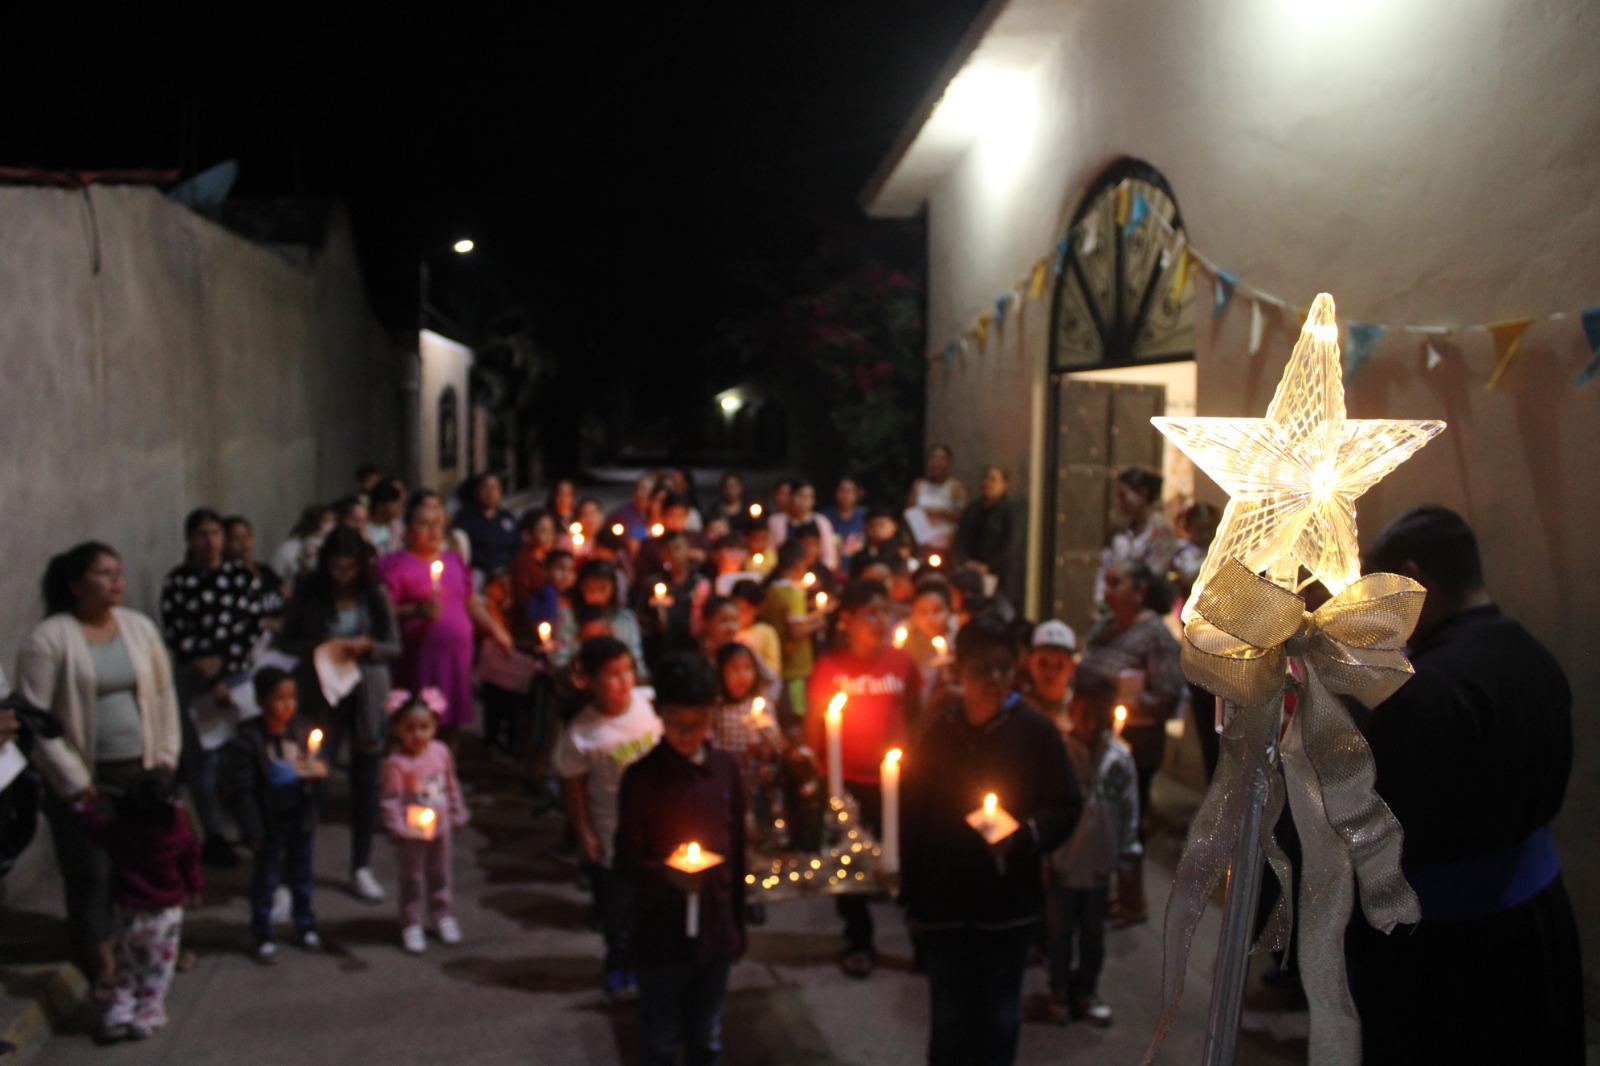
{"points": [[460, 247]]}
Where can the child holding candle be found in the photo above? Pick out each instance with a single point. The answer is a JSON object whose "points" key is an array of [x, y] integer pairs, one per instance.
{"points": [[671, 620], [880, 684], [615, 730], [683, 792], [273, 786], [787, 608], [422, 805], [1105, 840], [973, 904], [155, 870], [755, 634]]}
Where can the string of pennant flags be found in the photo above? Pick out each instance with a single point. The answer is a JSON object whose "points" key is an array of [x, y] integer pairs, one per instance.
{"points": [[1132, 210]]}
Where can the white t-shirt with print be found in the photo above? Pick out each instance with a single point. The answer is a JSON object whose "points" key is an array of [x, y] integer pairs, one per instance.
{"points": [[603, 746]]}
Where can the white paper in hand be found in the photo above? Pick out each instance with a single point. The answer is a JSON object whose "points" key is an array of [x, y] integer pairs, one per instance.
{"points": [[338, 677], [12, 763]]}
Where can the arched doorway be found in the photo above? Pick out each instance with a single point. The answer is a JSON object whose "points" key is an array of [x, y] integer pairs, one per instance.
{"points": [[1121, 351]]}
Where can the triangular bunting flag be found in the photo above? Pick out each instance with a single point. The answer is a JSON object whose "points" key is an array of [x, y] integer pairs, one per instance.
{"points": [[981, 330], [1063, 249], [1124, 203], [1434, 358], [949, 356], [1508, 340], [1091, 237], [1360, 337], [1000, 306], [1180, 276], [1222, 292], [1036, 282], [1257, 322], [1591, 333], [1141, 210]]}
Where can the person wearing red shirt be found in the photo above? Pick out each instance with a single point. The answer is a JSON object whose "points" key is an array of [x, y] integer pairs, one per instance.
{"points": [[881, 685]]}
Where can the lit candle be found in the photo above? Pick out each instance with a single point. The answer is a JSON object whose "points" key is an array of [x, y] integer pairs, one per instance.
{"points": [[834, 720], [941, 647], [544, 632], [314, 743], [758, 560], [901, 633], [577, 540], [755, 510], [991, 803], [758, 710], [576, 529], [421, 822], [618, 529], [809, 580], [1119, 718], [935, 560], [889, 778], [822, 601], [691, 852], [689, 861], [661, 599], [657, 529], [992, 821], [436, 571]]}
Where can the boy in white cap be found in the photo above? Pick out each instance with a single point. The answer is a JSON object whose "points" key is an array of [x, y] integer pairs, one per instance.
{"points": [[1051, 664]]}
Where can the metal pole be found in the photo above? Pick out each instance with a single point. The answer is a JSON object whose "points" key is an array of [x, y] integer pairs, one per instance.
{"points": [[1238, 926]]}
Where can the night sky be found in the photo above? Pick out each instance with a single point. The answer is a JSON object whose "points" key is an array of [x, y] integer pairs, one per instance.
{"points": [[633, 175]]}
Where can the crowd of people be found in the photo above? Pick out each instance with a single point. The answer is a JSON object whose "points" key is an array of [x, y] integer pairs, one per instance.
{"points": [[661, 673]]}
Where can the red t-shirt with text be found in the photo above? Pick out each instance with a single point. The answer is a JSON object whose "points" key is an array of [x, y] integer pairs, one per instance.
{"points": [[874, 718]]}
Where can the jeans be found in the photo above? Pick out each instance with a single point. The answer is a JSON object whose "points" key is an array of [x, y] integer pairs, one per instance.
{"points": [[1077, 918], [681, 1006], [975, 993], [855, 909], [365, 769], [613, 904], [284, 857], [85, 867]]}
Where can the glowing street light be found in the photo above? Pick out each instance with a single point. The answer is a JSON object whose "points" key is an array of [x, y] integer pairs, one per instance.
{"points": [[463, 246]]}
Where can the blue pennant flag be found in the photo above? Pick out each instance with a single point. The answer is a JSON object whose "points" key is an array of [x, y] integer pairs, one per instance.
{"points": [[1591, 333], [1360, 337], [1000, 306], [1224, 292], [1140, 211], [1063, 249], [949, 356]]}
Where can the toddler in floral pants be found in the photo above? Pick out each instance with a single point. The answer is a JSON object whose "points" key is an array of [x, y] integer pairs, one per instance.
{"points": [[421, 804], [155, 870]]}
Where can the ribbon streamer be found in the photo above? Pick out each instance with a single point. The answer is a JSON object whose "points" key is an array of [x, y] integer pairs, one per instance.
{"points": [[1245, 633]]}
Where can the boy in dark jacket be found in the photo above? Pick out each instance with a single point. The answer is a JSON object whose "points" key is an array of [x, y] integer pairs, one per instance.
{"points": [[976, 904], [684, 791], [271, 782]]}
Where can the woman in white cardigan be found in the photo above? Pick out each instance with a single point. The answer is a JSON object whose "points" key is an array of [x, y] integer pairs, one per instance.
{"points": [[103, 670]]}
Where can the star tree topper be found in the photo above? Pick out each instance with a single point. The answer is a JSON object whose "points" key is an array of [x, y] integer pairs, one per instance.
{"points": [[1293, 477]]}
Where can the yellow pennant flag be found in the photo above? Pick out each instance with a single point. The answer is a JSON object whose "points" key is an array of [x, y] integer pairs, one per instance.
{"points": [[1180, 276], [1041, 270], [981, 330], [1124, 203], [1508, 342]]}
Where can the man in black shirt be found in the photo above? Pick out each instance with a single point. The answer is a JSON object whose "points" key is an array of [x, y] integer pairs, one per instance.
{"points": [[1473, 755], [975, 905]]}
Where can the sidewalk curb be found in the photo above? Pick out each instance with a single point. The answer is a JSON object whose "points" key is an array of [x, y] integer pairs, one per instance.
{"points": [[54, 993]]}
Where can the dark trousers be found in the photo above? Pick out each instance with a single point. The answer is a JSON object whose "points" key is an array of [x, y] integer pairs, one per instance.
{"points": [[85, 867], [284, 857], [1149, 744], [365, 769], [1503, 989], [975, 992], [1077, 921], [500, 717], [855, 909], [613, 905], [680, 1006]]}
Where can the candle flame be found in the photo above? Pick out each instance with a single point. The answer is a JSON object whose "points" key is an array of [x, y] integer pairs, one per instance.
{"points": [[758, 706], [892, 757], [577, 540], [935, 560], [758, 559], [836, 707], [575, 528], [657, 529], [618, 529], [661, 591], [941, 645], [691, 851], [436, 568], [990, 802], [901, 634], [809, 580], [425, 817], [755, 510], [822, 600], [544, 630], [314, 741], [1121, 714]]}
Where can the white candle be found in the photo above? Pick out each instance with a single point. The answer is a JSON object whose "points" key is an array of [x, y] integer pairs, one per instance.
{"points": [[436, 571], [1119, 718], [941, 647], [657, 529], [755, 510], [577, 540], [661, 598], [314, 743], [822, 601], [901, 634], [834, 719], [544, 632], [421, 821], [758, 560], [618, 529], [576, 529], [935, 561], [809, 580], [890, 779]]}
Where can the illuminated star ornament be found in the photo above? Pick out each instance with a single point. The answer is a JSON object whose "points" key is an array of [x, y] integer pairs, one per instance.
{"points": [[1293, 477]]}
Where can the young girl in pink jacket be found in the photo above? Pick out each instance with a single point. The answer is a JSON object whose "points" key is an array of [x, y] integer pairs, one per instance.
{"points": [[421, 804]]}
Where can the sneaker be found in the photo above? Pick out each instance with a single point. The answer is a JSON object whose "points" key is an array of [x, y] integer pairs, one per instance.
{"points": [[310, 941], [281, 904], [1094, 1010], [267, 952], [412, 940], [449, 930], [365, 886]]}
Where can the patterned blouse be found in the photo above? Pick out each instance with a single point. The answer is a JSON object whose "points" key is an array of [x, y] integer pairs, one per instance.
{"points": [[211, 612]]}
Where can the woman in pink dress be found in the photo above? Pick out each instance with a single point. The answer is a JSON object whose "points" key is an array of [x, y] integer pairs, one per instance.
{"points": [[436, 613]]}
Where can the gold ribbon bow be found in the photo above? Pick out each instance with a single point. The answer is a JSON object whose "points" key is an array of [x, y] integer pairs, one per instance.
{"points": [[1249, 641]]}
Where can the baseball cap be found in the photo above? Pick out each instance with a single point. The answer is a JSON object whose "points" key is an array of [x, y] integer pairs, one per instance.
{"points": [[1055, 634]]}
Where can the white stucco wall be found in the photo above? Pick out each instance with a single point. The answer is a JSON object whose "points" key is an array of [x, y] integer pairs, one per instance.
{"points": [[1434, 161], [194, 368], [445, 364]]}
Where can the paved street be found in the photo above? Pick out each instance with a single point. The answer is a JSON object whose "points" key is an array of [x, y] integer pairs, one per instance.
{"points": [[523, 987]]}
